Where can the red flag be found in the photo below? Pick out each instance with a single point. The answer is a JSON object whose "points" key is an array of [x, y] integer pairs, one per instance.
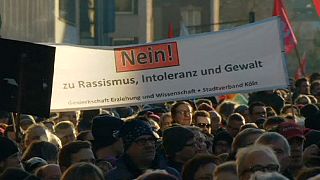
{"points": [[290, 39], [301, 71], [317, 6], [171, 31]]}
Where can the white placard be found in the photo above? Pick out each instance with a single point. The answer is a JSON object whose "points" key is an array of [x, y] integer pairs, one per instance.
{"points": [[248, 58]]}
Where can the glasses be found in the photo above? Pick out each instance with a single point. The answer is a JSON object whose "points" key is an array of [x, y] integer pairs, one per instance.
{"points": [[202, 125], [143, 141], [268, 168], [185, 113]]}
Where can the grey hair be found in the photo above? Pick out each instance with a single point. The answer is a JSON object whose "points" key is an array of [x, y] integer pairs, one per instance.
{"points": [[245, 152], [271, 137]]}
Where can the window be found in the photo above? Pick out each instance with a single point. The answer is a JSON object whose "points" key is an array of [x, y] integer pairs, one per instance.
{"points": [[126, 6], [124, 41], [67, 11], [191, 16]]}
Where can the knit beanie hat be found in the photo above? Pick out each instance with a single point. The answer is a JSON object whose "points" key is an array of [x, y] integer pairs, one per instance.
{"points": [[105, 130], [8, 148], [175, 138], [131, 130], [34, 163]]}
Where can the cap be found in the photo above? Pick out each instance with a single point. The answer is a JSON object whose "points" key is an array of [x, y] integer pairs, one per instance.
{"points": [[290, 130]]}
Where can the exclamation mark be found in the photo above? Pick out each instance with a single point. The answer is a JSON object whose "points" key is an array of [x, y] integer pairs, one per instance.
{"points": [[170, 52]]}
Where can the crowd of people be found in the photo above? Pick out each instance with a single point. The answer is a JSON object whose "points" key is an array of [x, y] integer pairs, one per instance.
{"points": [[268, 135]]}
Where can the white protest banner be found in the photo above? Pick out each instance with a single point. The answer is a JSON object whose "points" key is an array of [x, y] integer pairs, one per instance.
{"points": [[248, 58]]}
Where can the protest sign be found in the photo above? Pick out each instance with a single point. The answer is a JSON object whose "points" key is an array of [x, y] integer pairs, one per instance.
{"points": [[26, 74], [245, 59]]}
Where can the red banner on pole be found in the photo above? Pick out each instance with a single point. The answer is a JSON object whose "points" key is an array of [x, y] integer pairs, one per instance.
{"points": [[317, 6], [290, 39]]}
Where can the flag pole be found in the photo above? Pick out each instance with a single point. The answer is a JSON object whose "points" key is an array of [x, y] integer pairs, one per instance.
{"points": [[17, 116], [299, 59]]}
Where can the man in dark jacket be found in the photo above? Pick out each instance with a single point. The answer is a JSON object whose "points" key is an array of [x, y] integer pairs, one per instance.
{"points": [[139, 152]]}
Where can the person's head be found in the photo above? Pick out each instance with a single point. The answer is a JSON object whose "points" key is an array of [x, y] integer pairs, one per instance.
{"points": [[203, 101], [49, 172], [270, 111], [200, 166], [202, 120], [273, 122], [181, 113], [9, 154], [179, 143], [85, 136], [9, 132], [313, 99], [71, 116], [257, 110], [234, 122], [315, 88], [83, 171], [248, 125], [256, 158], [42, 149], [288, 108], [76, 151], [244, 111], [309, 110], [205, 107], [302, 86], [294, 134], [314, 76], [26, 121], [54, 139], [200, 139], [222, 143], [139, 141], [13, 173], [66, 132], [156, 174], [33, 164], [245, 138], [105, 131], [165, 121], [226, 108], [49, 124], [226, 171], [302, 99], [36, 132], [279, 144], [215, 121]]}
